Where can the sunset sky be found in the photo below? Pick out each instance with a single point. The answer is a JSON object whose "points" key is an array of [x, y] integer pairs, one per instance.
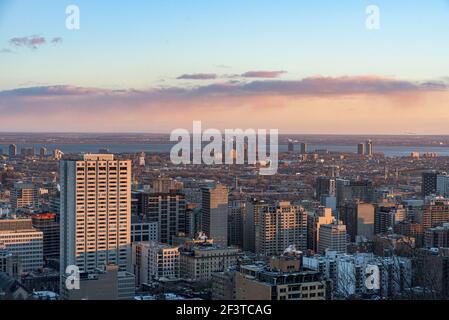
{"points": [[157, 65]]}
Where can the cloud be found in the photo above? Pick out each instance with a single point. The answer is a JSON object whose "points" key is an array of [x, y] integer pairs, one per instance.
{"points": [[198, 76], [336, 103], [4, 50], [315, 86], [32, 42], [57, 40], [263, 74]]}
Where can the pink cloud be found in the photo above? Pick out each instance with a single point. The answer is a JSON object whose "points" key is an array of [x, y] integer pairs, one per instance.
{"points": [[263, 74]]}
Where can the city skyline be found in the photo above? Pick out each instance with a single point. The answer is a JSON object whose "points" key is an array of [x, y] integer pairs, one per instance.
{"points": [[157, 66]]}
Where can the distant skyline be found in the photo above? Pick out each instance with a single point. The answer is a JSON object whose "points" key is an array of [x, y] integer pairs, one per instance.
{"points": [[305, 67]]}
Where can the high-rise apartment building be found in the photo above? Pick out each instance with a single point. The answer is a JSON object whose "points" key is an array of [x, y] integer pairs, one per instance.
{"points": [[214, 213], [280, 225], [369, 148], [429, 183], [435, 213], [12, 150], [95, 212]]}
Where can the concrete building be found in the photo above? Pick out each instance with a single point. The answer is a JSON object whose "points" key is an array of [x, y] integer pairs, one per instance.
{"points": [[223, 285], [108, 283], [154, 261], [214, 213], [262, 282], [95, 212], [200, 259]]}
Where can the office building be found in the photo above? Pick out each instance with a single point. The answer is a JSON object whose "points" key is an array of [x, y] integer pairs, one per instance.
{"points": [[95, 212], [19, 238], [49, 226], [303, 148], [314, 223], [437, 237], [168, 210], [333, 237], [236, 213], [359, 220], [325, 186], [214, 213], [387, 216], [24, 196], [442, 185]]}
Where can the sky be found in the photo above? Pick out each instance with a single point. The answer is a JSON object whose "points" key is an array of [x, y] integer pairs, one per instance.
{"points": [[157, 65]]}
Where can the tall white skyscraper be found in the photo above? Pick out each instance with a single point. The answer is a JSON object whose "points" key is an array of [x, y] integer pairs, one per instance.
{"points": [[95, 212]]}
